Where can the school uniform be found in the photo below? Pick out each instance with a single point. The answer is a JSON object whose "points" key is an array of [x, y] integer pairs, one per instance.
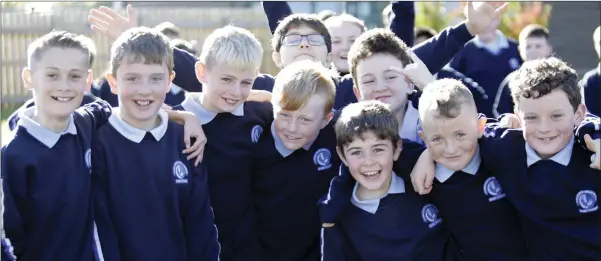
{"points": [[14, 117], [478, 92], [556, 198], [503, 102], [591, 90], [488, 64], [169, 216], [232, 140], [286, 187], [46, 182], [484, 223], [402, 225], [102, 90]]}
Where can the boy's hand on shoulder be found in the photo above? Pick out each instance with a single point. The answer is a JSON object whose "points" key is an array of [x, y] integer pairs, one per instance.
{"points": [[422, 174], [481, 14], [193, 130], [259, 96], [510, 121], [110, 23], [594, 146], [327, 225], [416, 73]]}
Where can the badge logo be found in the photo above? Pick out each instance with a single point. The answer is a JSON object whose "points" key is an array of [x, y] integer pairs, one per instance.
{"points": [[180, 172], [587, 201], [430, 215], [255, 133], [88, 158], [322, 159], [513, 63], [493, 189]]}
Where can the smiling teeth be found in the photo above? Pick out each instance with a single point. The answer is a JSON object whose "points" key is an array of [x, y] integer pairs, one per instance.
{"points": [[371, 173], [551, 138], [63, 99], [230, 101], [142, 103]]}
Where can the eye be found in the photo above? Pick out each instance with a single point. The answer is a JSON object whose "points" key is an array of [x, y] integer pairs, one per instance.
{"points": [[306, 120], [529, 118], [367, 81], [130, 79], [557, 116], [285, 115], [355, 153], [436, 139], [76, 77], [460, 135], [391, 77], [51, 75], [226, 80], [247, 83], [378, 150], [156, 79]]}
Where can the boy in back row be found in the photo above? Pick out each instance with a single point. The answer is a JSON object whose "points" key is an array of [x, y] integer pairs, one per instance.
{"points": [[46, 163]]}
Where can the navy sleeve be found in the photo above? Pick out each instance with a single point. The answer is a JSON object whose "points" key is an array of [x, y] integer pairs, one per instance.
{"points": [[403, 21], [200, 230], [185, 71], [107, 234], [344, 92], [13, 119], [338, 196], [102, 90], [264, 82], [590, 126], [275, 12], [591, 87], [333, 245], [16, 207], [97, 113], [458, 63], [437, 51], [408, 158], [503, 102]]}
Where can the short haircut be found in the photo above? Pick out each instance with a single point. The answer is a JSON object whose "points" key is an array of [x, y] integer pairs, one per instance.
{"points": [[59, 39], [168, 29], [535, 79], [184, 45], [325, 14], [356, 119], [141, 44], [346, 18], [424, 31], [232, 46], [299, 81], [386, 13], [377, 41], [297, 20], [534, 30], [445, 98]]}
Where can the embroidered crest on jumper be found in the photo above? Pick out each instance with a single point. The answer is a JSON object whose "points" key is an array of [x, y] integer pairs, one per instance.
{"points": [[322, 158], [493, 189], [88, 158], [430, 215], [180, 172], [255, 133], [587, 201]]}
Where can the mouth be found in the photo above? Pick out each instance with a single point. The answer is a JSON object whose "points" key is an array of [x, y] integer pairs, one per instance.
{"points": [[305, 56], [62, 99], [143, 103], [453, 157], [291, 138], [371, 174], [230, 101], [548, 138], [382, 98], [343, 57]]}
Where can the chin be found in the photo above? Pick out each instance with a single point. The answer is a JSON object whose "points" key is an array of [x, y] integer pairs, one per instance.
{"points": [[292, 145]]}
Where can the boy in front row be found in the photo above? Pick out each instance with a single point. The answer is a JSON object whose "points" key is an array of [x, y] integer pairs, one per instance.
{"points": [[46, 163], [169, 216], [387, 220]]}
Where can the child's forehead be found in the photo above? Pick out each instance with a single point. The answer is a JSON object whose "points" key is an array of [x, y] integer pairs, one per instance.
{"points": [[379, 62], [66, 59], [142, 67], [301, 29]]}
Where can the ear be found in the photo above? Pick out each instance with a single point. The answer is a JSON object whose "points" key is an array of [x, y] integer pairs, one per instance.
{"points": [[341, 156], [277, 59], [170, 82], [399, 148], [515, 111], [327, 119], [356, 91], [110, 78], [89, 80], [579, 114], [26, 76], [421, 134], [201, 72], [481, 125]]}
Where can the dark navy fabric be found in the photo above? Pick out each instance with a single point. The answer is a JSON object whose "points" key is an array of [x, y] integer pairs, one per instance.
{"points": [[591, 88]]}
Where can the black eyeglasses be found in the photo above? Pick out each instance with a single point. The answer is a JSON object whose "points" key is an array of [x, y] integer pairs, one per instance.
{"points": [[312, 39]]}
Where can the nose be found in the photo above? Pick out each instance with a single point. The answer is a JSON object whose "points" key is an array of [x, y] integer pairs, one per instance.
{"points": [[450, 148], [292, 126], [236, 90], [544, 126], [304, 43]]}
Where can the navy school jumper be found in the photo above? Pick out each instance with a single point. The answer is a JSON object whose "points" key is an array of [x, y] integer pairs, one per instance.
{"points": [[286, 187], [231, 141], [151, 203], [556, 198], [14, 117], [46, 181], [400, 226], [591, 89]]}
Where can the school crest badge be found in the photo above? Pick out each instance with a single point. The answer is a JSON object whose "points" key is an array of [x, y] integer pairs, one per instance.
{"points": [[493, 189], [255, 133], [180, 172], [322, 159], [88, 158], [430, 215], [587, 201]]}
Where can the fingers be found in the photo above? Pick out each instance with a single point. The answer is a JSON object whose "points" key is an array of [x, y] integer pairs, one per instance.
{"points": [[589, 142], [130, 11], [502, 8], [97, 21], [110, 12], [414, 57], [100, 15], [98, 29]]}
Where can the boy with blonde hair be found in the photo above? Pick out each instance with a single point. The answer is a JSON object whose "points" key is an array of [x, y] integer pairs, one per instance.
{"points": [[178, 225], [228, 65], [295, 162]]}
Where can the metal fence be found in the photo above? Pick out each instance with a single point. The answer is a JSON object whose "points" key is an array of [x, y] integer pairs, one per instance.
{"points": [[196, 22]]}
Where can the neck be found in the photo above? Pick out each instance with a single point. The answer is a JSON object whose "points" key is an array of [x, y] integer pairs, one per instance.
{"points": [[146, 125], [366, 194], [203, 101], [400, 115], [56, 124]]}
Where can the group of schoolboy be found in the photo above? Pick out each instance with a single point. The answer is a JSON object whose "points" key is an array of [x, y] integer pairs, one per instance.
{"points": [[353, 152]]}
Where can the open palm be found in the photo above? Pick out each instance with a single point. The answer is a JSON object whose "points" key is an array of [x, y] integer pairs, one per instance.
{"points": [[110, 23]]}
